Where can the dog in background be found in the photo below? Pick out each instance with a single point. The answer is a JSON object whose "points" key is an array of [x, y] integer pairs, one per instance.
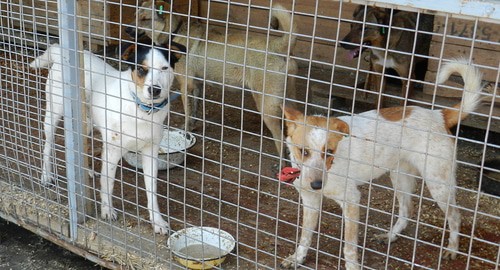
{"points": [[377, 30], [332, 156], [261, 63], [127, 107]]}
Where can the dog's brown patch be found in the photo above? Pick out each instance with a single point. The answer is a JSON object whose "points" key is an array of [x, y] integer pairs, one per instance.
{"points": [[298, 126], [452, 116], [396, 113], [139, 78]]}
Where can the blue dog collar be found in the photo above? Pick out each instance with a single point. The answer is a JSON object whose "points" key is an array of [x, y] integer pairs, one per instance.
{"points": [[152, 108]]}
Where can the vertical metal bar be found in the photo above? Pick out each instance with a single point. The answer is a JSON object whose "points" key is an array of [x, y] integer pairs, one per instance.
{"points": [[72, 112]]}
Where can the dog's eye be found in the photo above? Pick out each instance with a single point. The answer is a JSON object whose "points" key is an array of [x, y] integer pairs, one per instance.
{"points": [[141, 70], [330, 152], [164, 68], [305, 152]]}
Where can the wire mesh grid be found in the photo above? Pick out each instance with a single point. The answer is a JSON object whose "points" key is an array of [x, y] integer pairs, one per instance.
{"points": [[240, 68]]}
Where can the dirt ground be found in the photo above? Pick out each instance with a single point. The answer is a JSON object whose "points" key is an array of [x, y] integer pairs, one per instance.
{"points": [[229, 181], [21, 249]]}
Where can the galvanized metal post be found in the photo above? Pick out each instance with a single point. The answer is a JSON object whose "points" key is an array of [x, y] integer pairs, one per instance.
{"points": [[73, 122]]}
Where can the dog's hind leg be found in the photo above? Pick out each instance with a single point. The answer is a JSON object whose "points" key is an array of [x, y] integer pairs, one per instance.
{"points": [[311, 207], [53, 115], [269, 101], [111, 155], [404, 185], [150, 167], [271, 115], [440, 180], [187, 87]]}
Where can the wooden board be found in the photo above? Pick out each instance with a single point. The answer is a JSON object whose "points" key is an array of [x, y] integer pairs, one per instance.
{"points": [[471, 39], [489, 60], [460, 32], [37, 16]]}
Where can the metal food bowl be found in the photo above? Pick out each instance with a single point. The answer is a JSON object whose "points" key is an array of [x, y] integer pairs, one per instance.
{"points": [[173, 147], [201, 247]]}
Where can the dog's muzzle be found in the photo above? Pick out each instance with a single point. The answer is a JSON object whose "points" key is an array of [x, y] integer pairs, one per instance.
{"points": [[347, 44]]}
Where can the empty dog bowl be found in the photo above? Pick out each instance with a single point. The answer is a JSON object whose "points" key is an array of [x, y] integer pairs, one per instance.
{"points": [[491, 179], [173, 147], [201, 247]]}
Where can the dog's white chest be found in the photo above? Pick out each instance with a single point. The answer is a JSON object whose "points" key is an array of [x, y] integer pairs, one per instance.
{"points": [[387, 63]]}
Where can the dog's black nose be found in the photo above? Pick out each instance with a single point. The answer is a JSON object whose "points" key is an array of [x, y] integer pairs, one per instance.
{"points": [[155, 91], [346, 44], [318, 184]]}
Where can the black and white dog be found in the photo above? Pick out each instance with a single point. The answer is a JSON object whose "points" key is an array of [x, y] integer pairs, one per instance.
{"points": [[127, 107]]}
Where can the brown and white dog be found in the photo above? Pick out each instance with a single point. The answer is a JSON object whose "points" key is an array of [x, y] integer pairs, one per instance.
{"points": [[335, 155], [391, 41], [234, 58]]}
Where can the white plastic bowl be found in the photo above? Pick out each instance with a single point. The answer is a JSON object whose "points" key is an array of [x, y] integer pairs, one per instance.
{"points": [[201, 247], [173, 147]]}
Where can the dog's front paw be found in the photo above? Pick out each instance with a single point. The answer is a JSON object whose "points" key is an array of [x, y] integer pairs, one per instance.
{"points": [[292, 262], [161, 226], [450, 255], [385, 238], [47, 179], [108, 213]]}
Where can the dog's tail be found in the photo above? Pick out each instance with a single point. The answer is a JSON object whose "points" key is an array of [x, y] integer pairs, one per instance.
{"points": [[472, 78], [51, 55], [286, 43]]}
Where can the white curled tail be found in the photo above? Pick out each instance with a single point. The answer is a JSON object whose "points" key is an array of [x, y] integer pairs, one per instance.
{"points": [[471, 98]]}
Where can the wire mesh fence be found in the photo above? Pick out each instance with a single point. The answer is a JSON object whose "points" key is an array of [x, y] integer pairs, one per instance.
{"points": [[220, 140]]}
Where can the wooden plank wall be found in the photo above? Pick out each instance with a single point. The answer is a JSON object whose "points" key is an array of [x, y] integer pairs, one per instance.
{"points": [[464, 38], [37, 16]]}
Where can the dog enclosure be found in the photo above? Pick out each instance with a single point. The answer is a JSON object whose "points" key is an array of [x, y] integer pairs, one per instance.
{"points": [[227, 180]]}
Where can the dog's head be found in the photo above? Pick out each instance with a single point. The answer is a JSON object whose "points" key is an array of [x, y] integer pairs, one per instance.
{"points": [[152, 69], [369, 30], [312, 142], [153, 19]]}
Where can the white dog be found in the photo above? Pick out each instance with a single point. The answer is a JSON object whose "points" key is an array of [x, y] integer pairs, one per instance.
{"points": [[128, 108], [332, 156]]}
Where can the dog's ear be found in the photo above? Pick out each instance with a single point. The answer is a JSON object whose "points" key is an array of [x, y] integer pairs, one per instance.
{"points": [[360, 8], [176, 52], [292, 116], [381, 14], [129, 52], [339, 125]]}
